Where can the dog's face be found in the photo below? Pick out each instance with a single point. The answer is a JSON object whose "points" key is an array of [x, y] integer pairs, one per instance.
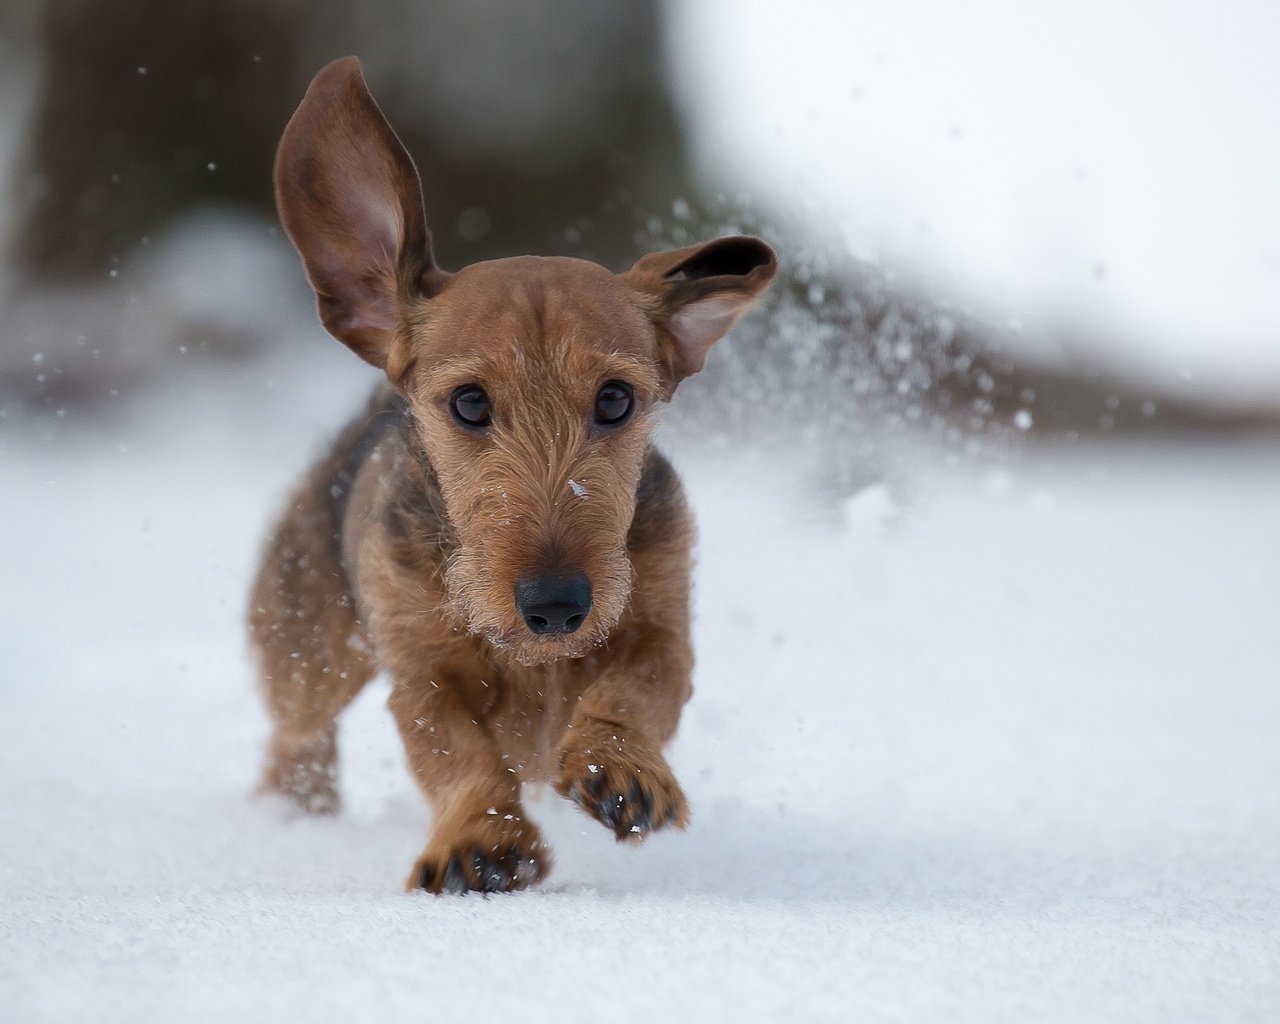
{"points": [[532, 383], [532, 380]]}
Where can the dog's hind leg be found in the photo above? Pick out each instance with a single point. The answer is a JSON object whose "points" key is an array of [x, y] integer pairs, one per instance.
{"points": [[312, 651]]}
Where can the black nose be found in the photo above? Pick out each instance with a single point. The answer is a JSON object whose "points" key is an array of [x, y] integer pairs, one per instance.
{"points": [[554, 604]]}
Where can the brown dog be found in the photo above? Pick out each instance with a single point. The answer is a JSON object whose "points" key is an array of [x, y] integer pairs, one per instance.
{"points": [[496, 531]]}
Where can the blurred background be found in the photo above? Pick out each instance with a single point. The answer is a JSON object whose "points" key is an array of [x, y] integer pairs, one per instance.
{"points": [[1061, 222]]}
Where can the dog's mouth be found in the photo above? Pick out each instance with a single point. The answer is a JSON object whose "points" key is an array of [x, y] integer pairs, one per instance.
{"points": [[531, 650]]}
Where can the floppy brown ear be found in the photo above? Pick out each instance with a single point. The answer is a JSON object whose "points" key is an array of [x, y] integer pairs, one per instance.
{"points": [[696, 294], [350, 200]]}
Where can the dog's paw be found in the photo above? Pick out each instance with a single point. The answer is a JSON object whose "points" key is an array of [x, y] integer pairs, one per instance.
{"points": [[305, 774], [499, 852], [627, 788]]}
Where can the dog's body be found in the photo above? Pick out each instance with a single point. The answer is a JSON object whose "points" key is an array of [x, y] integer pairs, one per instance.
{"points": [[495, 531]]}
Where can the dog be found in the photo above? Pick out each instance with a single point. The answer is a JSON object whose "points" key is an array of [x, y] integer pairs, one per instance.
{"points": [[495, 532]]}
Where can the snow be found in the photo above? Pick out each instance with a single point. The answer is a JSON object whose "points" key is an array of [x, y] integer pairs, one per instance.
{"points": [[1102, 172], [1002, 751]]}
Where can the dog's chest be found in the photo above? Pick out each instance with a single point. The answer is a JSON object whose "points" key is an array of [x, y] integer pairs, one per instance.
{"points": [[532, 710]]}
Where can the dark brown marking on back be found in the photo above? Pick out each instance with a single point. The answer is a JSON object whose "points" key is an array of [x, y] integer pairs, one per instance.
{"points": [[387, 409], [415, 520], [659, 504]]}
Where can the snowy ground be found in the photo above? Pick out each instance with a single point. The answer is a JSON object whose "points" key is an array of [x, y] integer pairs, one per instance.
{"points": [[1006, 753]]}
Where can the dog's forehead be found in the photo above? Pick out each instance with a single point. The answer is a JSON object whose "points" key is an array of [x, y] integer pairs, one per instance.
{"points": [[536, 305]]}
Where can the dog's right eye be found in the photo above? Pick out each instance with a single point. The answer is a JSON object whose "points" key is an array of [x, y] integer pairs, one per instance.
{"points": [[470, 406]]}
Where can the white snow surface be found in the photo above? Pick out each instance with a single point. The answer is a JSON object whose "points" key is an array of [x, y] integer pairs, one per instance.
{"points": [[1006, 751]]}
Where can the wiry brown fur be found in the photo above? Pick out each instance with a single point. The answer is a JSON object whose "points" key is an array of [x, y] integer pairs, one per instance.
{"points": [[402, 548]]}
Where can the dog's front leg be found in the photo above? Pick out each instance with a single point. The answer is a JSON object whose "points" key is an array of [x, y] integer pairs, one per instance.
{"points": [[481, 839], [611, 761]]}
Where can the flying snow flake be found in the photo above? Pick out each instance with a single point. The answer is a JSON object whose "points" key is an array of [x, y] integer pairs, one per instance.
{"points": [[1022, 419]]}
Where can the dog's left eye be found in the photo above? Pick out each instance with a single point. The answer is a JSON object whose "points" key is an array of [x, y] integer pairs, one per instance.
{"points": [[470, 406], [613, 403]]}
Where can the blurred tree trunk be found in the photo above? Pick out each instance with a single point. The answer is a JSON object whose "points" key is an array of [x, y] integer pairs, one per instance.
{"points": [[538, 127]]}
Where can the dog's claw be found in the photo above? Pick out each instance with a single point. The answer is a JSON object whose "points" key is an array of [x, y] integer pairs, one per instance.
{"points": [[454, 880], [609, 809], [643, 800], [497, 875]]}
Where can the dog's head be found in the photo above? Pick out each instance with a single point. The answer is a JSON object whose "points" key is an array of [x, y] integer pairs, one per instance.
{"points": [[532, 380]]}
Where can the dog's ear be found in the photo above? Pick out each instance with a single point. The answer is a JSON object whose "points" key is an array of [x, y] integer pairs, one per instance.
{"points": [[696, 294], [350, 200]]}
